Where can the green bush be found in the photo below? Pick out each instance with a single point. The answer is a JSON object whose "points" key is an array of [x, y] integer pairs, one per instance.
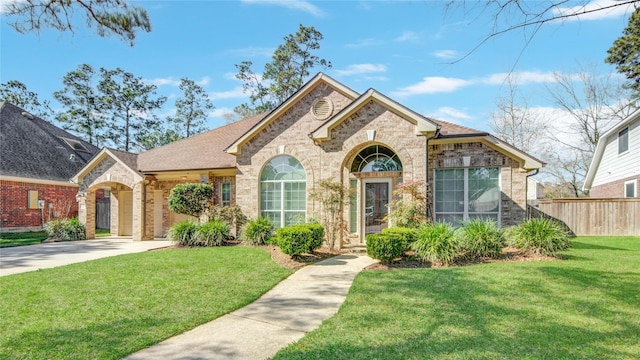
{"points": [[258, 231], [317, 234], [182, 233], [480, 238], [299, 239], [190, 199], [66, 229], [436, 242], [385, 247], [540, 236], [407, 235], [212, 233]]}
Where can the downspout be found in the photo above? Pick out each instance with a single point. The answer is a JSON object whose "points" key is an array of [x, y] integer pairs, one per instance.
{"points": [[427, 184], [526, 191]]}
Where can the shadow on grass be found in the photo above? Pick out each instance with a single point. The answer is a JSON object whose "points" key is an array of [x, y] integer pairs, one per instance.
{"points": [[97, 340], [503, 312], [586, 246]]}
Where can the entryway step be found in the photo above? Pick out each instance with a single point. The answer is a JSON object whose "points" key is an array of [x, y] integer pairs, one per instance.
{"points": [[355, 248]]}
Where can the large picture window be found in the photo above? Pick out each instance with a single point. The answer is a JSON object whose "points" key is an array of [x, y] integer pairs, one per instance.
{"points": [[283, 191], [469, 193]]}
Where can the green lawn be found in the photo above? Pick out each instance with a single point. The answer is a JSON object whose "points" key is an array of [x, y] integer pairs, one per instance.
{"points": [[111, 307], [20, 239], [584, 307]]}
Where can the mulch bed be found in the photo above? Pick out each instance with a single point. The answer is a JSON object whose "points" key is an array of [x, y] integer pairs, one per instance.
{"points": [[508, 255]]}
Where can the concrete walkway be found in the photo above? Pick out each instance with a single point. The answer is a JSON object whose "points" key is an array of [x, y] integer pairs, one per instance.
{"points": [[283, 315], [20, 259]]}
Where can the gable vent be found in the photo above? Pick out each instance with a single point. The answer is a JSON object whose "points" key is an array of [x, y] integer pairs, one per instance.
{"points": [[322, 108]]}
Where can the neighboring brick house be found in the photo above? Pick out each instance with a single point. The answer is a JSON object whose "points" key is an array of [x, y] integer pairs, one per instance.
{"points": [[37, 160], [615, 168], [268, 164]]}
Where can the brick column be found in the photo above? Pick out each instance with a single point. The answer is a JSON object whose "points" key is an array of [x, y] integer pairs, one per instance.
{"points": [[138, 215], [90, 214]]}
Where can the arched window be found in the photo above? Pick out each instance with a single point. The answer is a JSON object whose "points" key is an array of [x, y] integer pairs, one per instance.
{"points": [[376, 158], [283, 191]]}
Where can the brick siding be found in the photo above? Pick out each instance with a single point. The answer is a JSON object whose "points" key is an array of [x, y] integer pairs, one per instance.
{"points": [[614, 189], [59, 202]]}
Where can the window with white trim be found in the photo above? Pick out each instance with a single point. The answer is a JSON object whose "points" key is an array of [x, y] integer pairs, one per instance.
{"points": [[467, 193], [225, 194], [630, 189], [623, 140], [283, 191]]}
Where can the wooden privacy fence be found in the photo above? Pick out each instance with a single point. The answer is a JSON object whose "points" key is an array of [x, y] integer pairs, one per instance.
{"points": [[593, 217]]}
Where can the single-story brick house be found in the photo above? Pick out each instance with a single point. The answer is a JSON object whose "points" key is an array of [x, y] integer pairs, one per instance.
{"points": [[268, 164], [37, 159]]}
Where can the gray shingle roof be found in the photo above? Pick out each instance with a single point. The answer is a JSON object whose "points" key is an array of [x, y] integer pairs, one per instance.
{"points": [[33, 148]]}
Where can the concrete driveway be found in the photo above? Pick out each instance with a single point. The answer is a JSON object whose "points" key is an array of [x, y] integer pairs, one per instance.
{"points": [[20, 259]]}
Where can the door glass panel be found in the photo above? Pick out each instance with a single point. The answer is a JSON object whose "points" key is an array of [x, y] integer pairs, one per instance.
{"points": [[376, 207]]}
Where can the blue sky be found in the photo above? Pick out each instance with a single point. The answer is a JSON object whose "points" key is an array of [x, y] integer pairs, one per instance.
{"points": [[403, 49]]}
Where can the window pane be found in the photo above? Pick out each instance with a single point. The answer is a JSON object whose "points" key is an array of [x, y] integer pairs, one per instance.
{"points": [[353, 206], [294, 217], [449, 192], [630, 189], [484, 190], [283, 191], [623, 140], [453, 219]]}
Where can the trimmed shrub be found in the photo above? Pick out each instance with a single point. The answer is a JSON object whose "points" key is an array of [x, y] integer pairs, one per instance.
{"points": [[299, 239], [182, 233], [407, 235], [257, 231], [66, 230], [190, 199], [212, 233], [436, 243], [317, 234], [480, 238], [539, 236], [385, 247]]}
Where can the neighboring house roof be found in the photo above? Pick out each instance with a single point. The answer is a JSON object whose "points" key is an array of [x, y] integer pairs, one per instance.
{"points": [[31, 147], [602, 144], [202, 151], [422, 124], [234, 148]]}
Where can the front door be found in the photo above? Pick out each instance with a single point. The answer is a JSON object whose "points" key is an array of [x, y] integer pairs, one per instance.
{"points": [[376, 200]]}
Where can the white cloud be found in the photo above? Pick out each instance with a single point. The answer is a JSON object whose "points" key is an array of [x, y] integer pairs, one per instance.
{"points": [[521, 77], [236, 93], [447, 113], [595, 10], [356, 69], [304, 6], [445, 54], [253, 51], [171, 81], [432, 85], [407, 36], [365, 43]]}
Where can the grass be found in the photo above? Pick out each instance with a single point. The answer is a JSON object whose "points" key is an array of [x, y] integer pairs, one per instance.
{"points": [[112, 307], [584, 307], [21, 239], [103, 232]]}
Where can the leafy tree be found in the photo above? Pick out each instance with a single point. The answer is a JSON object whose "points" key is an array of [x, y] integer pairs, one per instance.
{"points": [[625, 53], [128, 103], [110, 17], [190, 199], [409, 206], [82, 103], [157, 135], [16, 92], [191, 109], [284, 75]]}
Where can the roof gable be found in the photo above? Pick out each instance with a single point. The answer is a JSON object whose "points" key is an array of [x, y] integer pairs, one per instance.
{"points": [[128, 160], [236, 146], [423, 125], [34, 148], [602, 144]]}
